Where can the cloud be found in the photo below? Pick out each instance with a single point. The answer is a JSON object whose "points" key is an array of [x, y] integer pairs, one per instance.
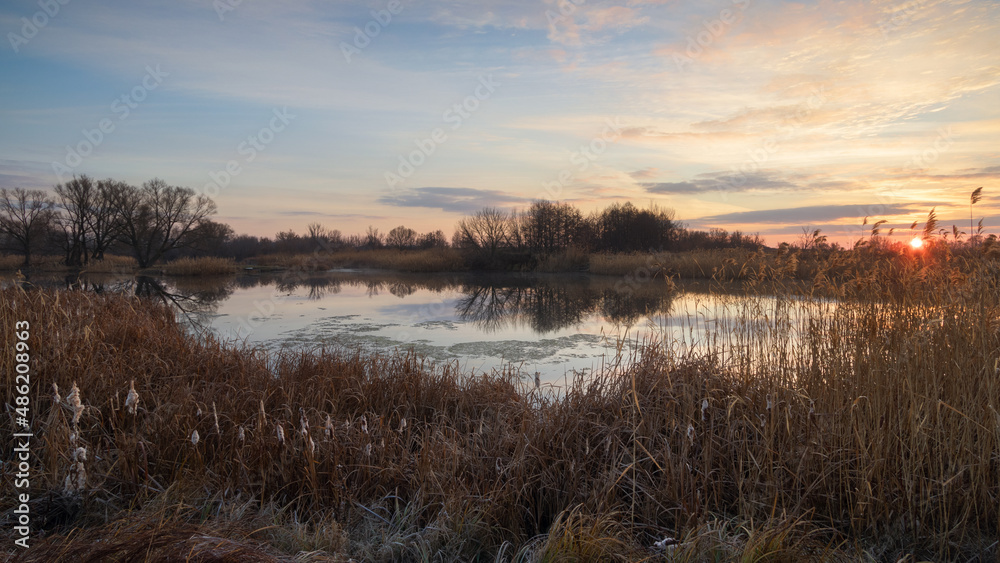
{"points": [[809, 214], [644, 173], [724, 182], [455, 200], [987, 173], [24, 174], [293, 213], [619, 18]]}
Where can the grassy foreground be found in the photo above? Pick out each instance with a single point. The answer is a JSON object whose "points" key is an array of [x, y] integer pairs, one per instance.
{"points": [[874, 436]]}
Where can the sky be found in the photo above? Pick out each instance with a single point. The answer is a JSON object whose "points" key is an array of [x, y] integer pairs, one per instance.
{"points": [[757, 115]]}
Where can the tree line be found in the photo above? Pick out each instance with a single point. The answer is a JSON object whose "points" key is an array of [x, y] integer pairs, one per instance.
{"points": [[494, 236], [87, 218]]}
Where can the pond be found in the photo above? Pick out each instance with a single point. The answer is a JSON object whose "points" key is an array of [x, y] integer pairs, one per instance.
{"points": [[546, 327]]}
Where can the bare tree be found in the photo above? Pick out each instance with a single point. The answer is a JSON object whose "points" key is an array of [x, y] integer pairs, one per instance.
{"points": [[401, 237], [317, 232], [549, 227], [25, 217], [77, 198], [104, 220], [373, 238], [432, 240], [157, 218], [486, 231]]}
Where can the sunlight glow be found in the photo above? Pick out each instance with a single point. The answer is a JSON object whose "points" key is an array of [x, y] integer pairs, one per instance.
{"points": [[917, 243]]}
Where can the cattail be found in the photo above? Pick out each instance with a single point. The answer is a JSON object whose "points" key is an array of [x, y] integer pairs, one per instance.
{"points": [[364, 424], [195, 437], [281, 434], [328, 428], [303, 423], [368, 450], [80, 456], [312, 447], [402, 424], [538, 380], [769, 405], [132, 400], [74, 402], [241, 434], [215, 416], [704, 407], [690, 433], [55, 394], [198, 412]]}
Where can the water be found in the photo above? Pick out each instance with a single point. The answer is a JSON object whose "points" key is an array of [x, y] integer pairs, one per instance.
{"points": [[550, 326]]}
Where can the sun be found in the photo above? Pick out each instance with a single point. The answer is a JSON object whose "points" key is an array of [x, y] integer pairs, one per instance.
{"points": [[917, 243]]}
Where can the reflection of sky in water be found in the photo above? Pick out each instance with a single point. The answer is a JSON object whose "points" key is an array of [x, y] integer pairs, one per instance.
{"points": [[575, 333], [551, 324]]}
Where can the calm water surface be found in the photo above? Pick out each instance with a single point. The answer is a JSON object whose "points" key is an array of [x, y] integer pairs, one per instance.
{"points": [[554, 325]]}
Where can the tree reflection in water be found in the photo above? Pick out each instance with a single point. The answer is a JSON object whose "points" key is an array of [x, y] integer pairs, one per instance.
{"points": [[551, 305], [545, 303], [195, 300]]}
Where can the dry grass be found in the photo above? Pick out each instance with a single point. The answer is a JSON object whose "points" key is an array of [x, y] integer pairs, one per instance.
{"points": [[569, 260], [721, 265], [38, 262], [874, 434], [202, 266], [431, 260], [112, 265], [10, 262]]}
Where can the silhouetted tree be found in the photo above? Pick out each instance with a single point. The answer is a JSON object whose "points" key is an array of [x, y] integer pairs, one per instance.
{"points": [[485, 232], [625, 228], [549, 227], [158, 218], [77, 197], [401, 237], [26, 216]]}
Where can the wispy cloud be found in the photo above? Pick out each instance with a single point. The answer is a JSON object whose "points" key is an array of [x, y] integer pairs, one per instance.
{"points": [[806, 215], [456, 200]]}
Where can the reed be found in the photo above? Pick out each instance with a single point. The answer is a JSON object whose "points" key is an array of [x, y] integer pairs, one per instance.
{"points": [[10, 263], [112, 264], [202, 266], [811, 429], [430, 260]]}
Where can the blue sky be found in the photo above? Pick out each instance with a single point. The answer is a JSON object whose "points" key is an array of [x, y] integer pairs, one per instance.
{"points": [[759, 115]]}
